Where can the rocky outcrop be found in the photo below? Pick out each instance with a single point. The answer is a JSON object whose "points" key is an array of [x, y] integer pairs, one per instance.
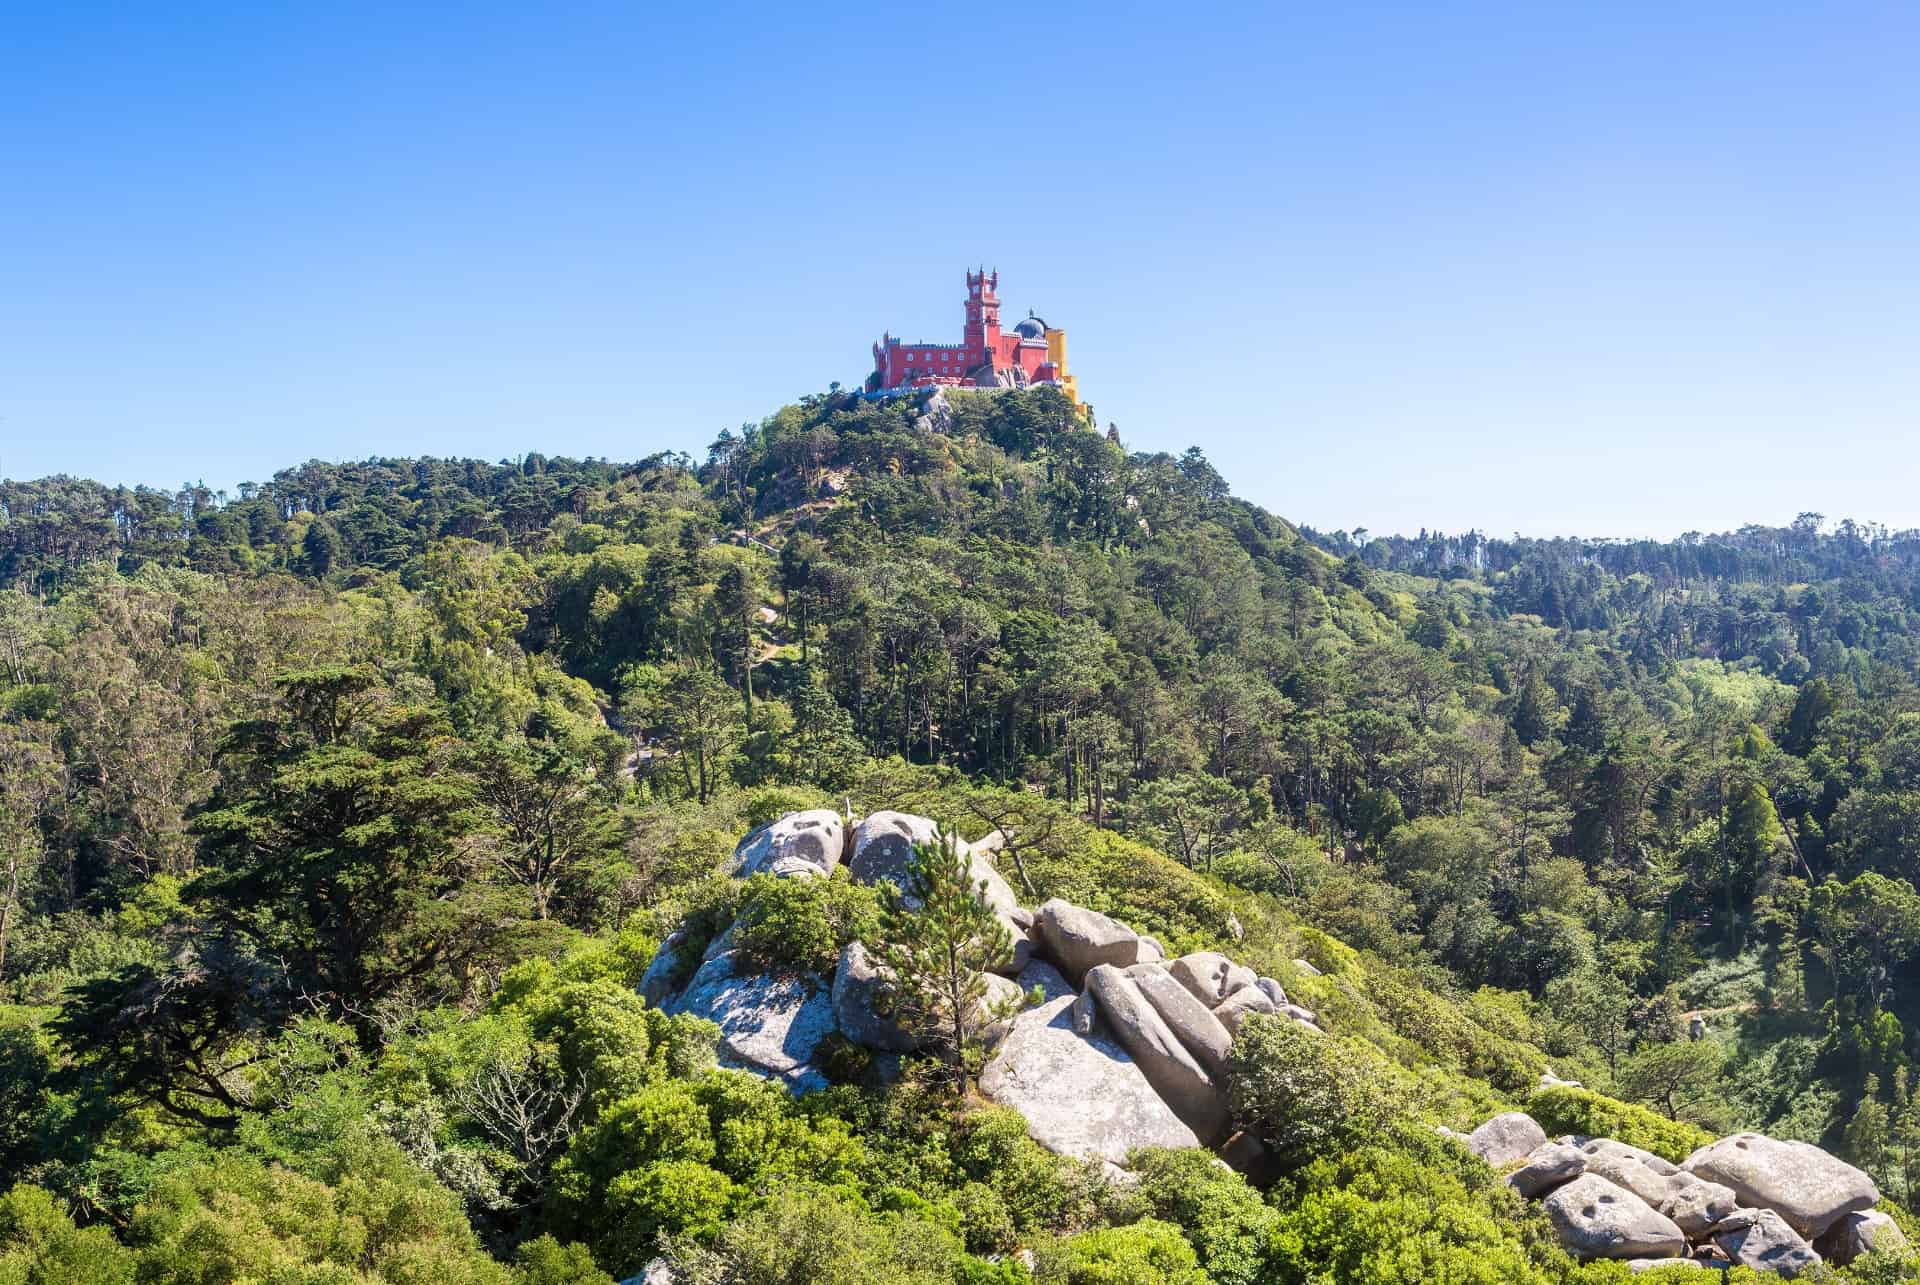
{"points": [[799, 843], [1211, 976], [857, 985], [1272, 990], [1807, 1187], [772, 1023], [1199, 1030], [1081, 1095], [1551, 1165], [1859, 1233], [882, 851], [1698, 1205], [1506, 1139], [1174, 1073], [1078, 940], [1762, 1240], [658, 982], [1644, 1174], [1234, 1009], [1595, 1219]]}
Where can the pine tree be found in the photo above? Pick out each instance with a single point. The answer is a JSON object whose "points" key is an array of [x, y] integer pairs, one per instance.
{"points": [[939, 937]]}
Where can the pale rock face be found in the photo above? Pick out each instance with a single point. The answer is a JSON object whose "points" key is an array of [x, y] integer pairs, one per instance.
{"points": [[657, 982], [1173, 1072], [1859, 1233], [1595, 1219], [883, 850], [770, 1023], [857, 983], [1151, 951], [1077, 939], [1506, 1139], [1211, 976], [1081, 1096], [1644, 1174], [1699, 1205], [1550, 1165], [1762, 1240], [1204, 1035], [1306, 968], [1272, 990], [799, 843], [1234, 1009], [1808, 1188], [999, 990], [1300, 1014]]}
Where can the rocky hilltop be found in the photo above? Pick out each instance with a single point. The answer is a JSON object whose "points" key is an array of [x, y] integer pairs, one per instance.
{"points": [[1123, 1047]]}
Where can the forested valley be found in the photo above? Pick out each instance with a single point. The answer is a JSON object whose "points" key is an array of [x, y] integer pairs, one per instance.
{"points": [[340, 819]]}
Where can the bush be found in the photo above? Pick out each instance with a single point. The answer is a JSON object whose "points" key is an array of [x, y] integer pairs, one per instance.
{"points": [[39, 1243], [679, 1197], [1561, 1110], [1149, 1252], [1308, 1094], [775, 801], [810, 1236], [1225, 1219], [803, 923], [546, 1261]]}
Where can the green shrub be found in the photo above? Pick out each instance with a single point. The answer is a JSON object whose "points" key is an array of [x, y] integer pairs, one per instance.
{"points": [[1309, 1094], [39, 1243], [1582, 1111], [1225, 1219], [678, 1197], [545, 1261], [803, 923], [820, 1237], [1149, 1252]]}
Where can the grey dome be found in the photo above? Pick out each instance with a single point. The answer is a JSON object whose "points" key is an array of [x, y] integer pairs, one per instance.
{"points": [[1031, 328]]}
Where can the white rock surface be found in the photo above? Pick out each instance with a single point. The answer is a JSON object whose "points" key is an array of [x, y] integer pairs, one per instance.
{"points": [[770, 1023], [1081, 1096], [1211, 976], [1507, 1139], [1076, 939], [797, 843], [882, 850], [1234, 1008], [1644, 1174], [1762, 1240], [1807, 1187], [1175, 1073], [1859, 1233], [1204, 1035], [857, 986], [1550, 1165], [1595, 1219]]}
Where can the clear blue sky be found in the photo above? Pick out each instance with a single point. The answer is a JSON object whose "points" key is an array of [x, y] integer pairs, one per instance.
{"points": [[1603, 269]]}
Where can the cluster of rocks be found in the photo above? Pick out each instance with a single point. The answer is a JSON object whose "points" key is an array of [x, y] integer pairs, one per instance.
{"points": [[1127, 1047], [1747, 1200]]}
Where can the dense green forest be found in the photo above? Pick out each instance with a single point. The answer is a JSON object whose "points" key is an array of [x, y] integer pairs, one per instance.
{"points": [[340, 818]]}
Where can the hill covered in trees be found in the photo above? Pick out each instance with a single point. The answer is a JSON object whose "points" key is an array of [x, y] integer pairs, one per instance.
{"points": [[340, 820]]}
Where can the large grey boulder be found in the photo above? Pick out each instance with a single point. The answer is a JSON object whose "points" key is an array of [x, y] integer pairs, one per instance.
{"points": [[1272, 990], [1507, 1138], [1646, 1175], [1081, 1096], [1211, 976], [1809, 1188], [658, 981], [1204, 1035], [1234, 1008], [858, 983], [1077, 939], [1595, 1219], [1762, 1240], [770, 1023], [1859, 1233], [1195, 1096], [1698, 1205], [799, 843], [998, 990], [882, 851], [1553, 1164]]}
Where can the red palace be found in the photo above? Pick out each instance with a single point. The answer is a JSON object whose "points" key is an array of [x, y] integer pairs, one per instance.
{"points": [[986, 357]]}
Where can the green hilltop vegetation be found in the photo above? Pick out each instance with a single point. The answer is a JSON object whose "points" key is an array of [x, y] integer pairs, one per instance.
{"points": [[340, 819]]}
